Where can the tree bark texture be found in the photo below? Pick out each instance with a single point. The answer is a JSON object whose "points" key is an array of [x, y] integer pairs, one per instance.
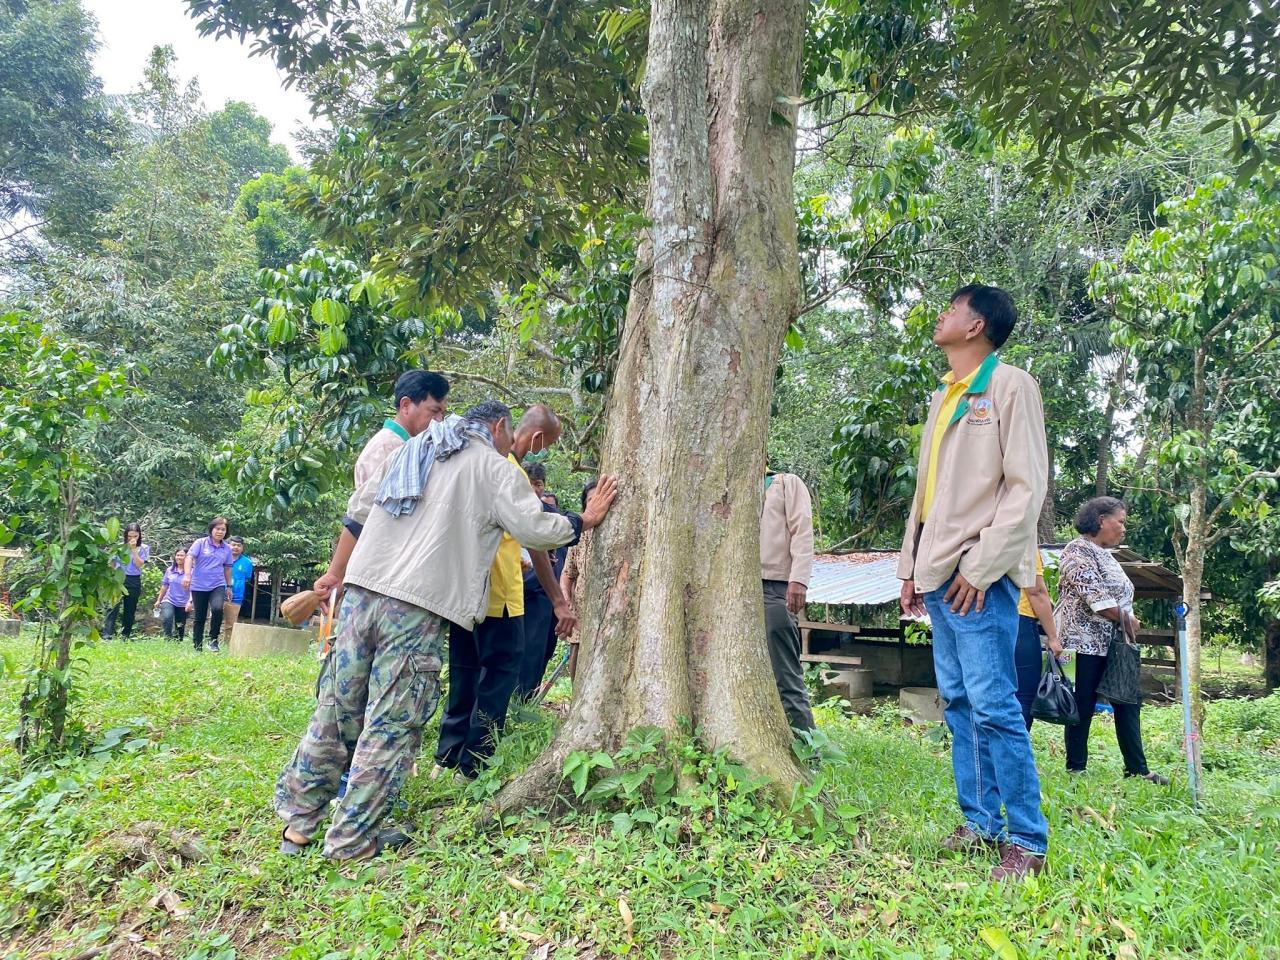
{"points": [[672, 620]]}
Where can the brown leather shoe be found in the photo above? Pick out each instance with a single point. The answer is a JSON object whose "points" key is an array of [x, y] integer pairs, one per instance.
{"points": [[1016, 863], [963, 840]]}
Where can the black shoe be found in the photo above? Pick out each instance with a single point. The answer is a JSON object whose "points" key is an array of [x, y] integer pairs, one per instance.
{"points": [[213, 647], [1153, 777]]}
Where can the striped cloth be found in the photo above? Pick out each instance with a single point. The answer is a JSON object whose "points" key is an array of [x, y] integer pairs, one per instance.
{"points": [[409, 467]]}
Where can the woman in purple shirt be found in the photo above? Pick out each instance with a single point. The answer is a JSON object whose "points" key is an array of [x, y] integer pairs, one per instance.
{"points": [[138, 554], [174, 600], [208, 578]]}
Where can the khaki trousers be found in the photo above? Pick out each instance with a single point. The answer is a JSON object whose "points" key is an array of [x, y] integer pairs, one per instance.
{"points": [[230, 614]]}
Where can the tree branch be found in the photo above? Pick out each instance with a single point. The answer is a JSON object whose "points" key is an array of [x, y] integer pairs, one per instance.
{"points": [[9, 236], [1239, 488]]}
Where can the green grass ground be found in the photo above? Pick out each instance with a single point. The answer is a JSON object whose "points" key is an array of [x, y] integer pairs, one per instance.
{"points": [[89, 866]]}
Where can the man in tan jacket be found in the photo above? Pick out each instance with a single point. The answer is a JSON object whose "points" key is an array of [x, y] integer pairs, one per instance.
{"points": [[786, 559], [969, 546]]}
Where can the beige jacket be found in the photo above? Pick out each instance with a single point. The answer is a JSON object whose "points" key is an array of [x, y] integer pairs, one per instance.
{"points": [[376, 453], [993, 469], [439, 556], [786, 530]]}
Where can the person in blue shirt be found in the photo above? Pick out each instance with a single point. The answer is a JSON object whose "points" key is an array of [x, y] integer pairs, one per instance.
{"points": [[241, 578]]}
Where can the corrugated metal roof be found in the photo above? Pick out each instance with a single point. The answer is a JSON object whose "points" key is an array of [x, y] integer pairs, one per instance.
{"points": [[866, 579], [855, 579]]}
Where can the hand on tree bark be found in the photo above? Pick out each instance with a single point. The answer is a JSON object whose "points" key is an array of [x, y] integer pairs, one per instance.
{"points": [[912, 602], [796, 592], [963, 596], [600, 501]]}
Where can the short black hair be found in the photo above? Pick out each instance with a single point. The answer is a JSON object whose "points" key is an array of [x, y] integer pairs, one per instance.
{"points": [[236, 539], [1089, 516], [417, 385], [130, 527], [994, 306], [586, 492], [536, 471]]}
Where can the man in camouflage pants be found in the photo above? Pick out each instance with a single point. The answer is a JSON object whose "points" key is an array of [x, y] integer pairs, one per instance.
{"points": [[381, 687], [421, 561]]}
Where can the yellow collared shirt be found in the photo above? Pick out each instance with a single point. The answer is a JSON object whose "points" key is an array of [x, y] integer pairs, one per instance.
{"points": [[1024, 602], [506, 580], [956, 389]]}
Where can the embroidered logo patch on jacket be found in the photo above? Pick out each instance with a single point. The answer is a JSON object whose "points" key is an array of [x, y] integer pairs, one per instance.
{"points": [[982, 411]]}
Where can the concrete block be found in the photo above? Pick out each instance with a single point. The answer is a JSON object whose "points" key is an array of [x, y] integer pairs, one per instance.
{"points": [[920, 704], [853, 683], [261, 640]]}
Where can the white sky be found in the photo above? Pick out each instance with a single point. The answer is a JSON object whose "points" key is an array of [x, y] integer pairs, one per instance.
{"points": [[128, 29]]}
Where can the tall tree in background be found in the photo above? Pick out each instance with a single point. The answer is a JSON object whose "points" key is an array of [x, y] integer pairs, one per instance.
{"points": [[56, 131], [505, 126], [1198, 304], [170, 261]]}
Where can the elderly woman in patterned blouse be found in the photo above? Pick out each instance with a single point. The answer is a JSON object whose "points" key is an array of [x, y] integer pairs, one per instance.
{"points": [[1095, 609]]}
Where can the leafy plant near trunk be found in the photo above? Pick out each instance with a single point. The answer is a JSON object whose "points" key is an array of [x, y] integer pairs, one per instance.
{"points": [[51, 394]]}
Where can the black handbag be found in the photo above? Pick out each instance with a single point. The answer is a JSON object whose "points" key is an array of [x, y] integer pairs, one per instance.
{"points": [[1055, 699], [1121, 678]]}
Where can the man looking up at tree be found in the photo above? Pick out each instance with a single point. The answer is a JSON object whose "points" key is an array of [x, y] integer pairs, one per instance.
{"points": [[969, 546], [431, 521], [420, 399], [786, 559], [485, 663]]}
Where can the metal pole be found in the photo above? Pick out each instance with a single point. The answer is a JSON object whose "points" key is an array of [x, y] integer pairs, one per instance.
{"points": [[1190, 739]]}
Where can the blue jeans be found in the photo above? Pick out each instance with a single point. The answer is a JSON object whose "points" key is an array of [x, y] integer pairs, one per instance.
{"points": [[995, 770]]}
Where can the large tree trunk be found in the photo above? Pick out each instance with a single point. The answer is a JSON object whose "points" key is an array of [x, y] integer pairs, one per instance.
{"points": [[672, 624]]}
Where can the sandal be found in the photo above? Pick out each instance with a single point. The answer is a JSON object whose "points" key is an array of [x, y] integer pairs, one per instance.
{"points": [[288, 847]]}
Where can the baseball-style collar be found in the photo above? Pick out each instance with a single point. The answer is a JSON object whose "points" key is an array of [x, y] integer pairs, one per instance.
{"points": [[395, 428], [977, 382]]}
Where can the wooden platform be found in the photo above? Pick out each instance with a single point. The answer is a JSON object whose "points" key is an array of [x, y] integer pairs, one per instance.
{"points": [[833, 658]]}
